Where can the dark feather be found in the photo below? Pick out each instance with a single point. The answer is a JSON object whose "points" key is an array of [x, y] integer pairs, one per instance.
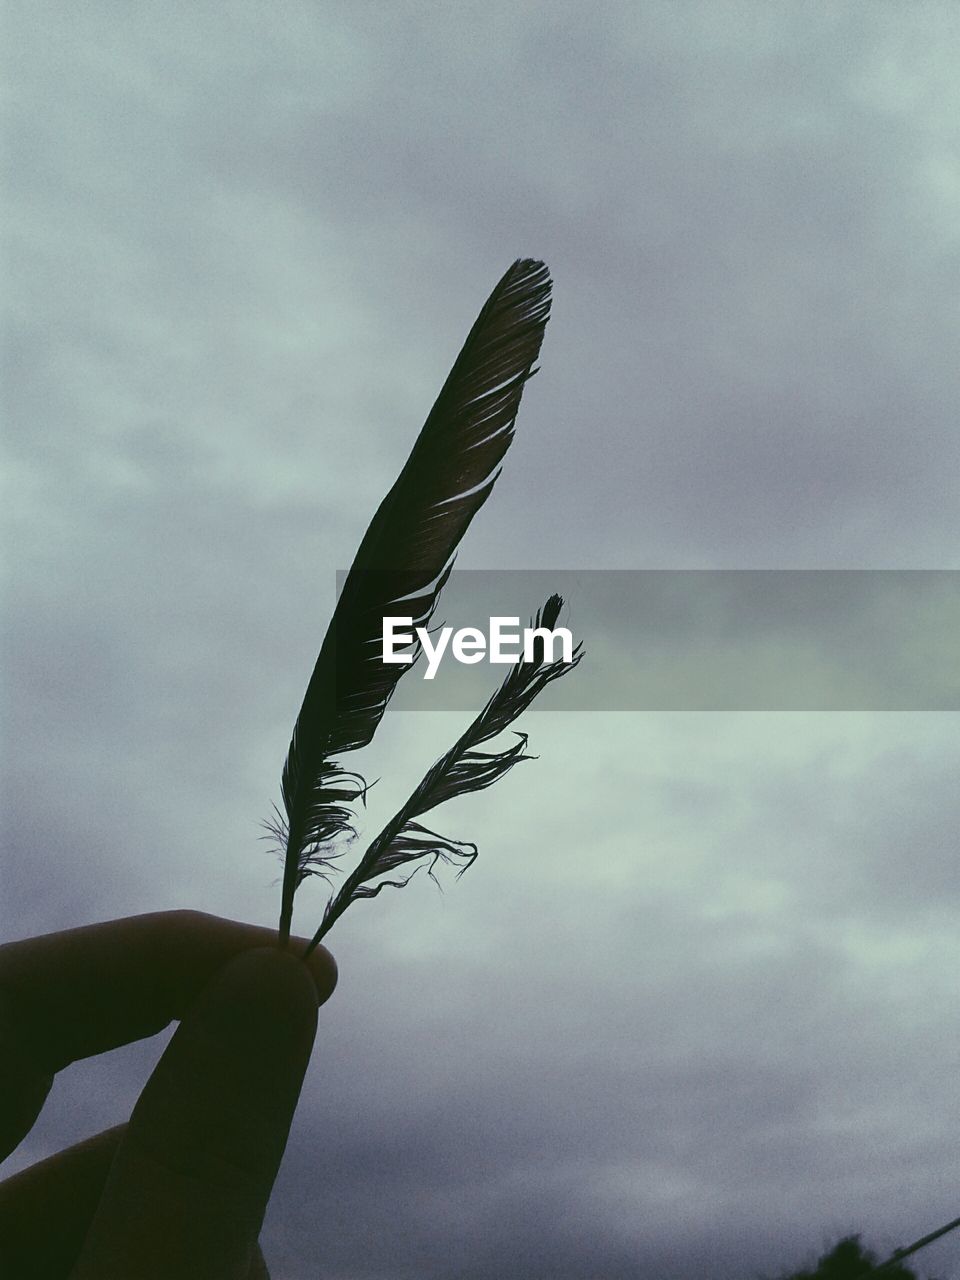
{"points": [[406, 554], [403, 841]]}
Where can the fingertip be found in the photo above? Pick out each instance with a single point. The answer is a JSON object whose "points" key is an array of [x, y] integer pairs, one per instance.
{"points": [[323, 970], [319, 965], [269, 980]]}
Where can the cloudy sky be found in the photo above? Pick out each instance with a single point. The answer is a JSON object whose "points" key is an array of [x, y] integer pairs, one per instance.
{"points": [[691, 1012]]}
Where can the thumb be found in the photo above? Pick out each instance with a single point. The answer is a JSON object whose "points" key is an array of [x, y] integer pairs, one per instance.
{"points": [[189, 1185]]}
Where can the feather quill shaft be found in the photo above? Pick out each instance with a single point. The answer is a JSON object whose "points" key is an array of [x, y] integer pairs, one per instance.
{"points": [[461, 770], [406, 553]]}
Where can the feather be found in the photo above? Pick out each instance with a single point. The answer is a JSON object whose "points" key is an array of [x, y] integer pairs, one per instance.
{"points": [[404, 841], [406, 554]]}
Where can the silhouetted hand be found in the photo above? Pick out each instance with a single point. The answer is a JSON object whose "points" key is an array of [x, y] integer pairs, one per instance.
{"points": [[181, 1190]]}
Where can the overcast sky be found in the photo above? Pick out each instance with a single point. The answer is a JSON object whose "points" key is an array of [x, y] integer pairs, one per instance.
{"points": [[694, 1011]]}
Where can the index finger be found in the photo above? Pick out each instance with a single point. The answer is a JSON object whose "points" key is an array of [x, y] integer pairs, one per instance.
{"points": [[69, 995]]}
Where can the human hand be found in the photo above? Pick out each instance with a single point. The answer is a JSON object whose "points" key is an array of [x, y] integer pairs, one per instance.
{"points": [[181, 1190]]}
